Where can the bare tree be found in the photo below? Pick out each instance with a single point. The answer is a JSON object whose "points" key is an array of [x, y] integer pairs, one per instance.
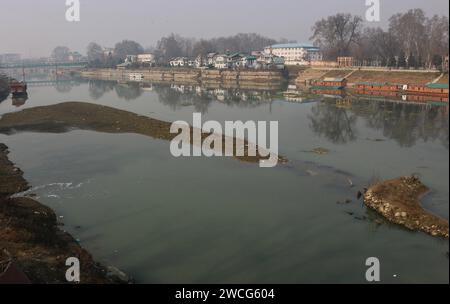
{"points": [[169, 47], [409, 30], [379, 45], [437, 30], [336, 34]]}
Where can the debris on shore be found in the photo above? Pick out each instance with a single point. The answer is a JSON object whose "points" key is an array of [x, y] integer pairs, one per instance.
{"points": [[32, 247], [398, 200]]}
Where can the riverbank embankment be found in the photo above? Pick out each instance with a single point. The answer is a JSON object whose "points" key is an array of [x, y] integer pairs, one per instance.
{"points": [[361, 75], [179, 75]]}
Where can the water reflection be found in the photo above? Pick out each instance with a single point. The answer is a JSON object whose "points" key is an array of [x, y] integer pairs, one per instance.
{"points": [[98, 88], [334, 117], [177, 96], [405, 123], [19, 101], [333, 122]]}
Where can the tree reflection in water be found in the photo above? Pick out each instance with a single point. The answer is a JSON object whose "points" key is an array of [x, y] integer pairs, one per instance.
{"points": [[128, 91], [334, 123], [97, 88], [405, 123]]}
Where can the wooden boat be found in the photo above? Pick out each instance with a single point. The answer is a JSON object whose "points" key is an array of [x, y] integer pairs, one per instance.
{"points": [[378, 87], [329, 83], [18, 87], [430, 89]]}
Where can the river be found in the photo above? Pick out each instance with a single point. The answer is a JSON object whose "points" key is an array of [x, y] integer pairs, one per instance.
{"points": [[218, 220]]}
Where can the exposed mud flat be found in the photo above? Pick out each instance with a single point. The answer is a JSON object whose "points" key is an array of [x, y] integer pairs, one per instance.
{"points": [[67, 116], [31, 242], [398, 201]]}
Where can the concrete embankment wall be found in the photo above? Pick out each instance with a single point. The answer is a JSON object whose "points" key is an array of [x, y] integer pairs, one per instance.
{"points": [[370, 75], [187, 75]]}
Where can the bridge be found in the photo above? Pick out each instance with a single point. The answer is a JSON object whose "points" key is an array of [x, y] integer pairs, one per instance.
{"points": [[56, 65], [49, 82]]}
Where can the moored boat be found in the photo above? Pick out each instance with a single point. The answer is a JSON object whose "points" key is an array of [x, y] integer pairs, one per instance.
{"points": [[429, 89], [18, 87], [329, 83], [378, 87]]}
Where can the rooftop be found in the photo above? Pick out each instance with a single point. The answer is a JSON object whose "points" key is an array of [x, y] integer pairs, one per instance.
{"points": [[294, 45], [437, 85]]}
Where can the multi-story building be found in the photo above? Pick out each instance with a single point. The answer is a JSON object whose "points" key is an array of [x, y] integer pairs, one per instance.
{"points": [[146, 58], [295, 53]]}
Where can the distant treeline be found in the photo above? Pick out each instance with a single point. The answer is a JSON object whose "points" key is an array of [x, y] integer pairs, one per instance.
{"points": [[411, 40]]}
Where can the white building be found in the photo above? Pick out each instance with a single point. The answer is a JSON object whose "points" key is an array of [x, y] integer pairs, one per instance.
{"points": [[179, 62], [210, 59], [146, 58], [246, 62], [270, 61], [131, 59], [295, 53], [221, 61]]}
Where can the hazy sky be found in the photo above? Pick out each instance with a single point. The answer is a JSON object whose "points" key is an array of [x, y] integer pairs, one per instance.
{"points": [[35, 27]]}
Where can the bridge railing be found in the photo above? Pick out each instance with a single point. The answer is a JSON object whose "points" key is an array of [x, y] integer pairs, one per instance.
{"points": [[43, 65]]}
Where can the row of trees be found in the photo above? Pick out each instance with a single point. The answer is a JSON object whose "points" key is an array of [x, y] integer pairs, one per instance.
{"points": [[174, 45], [98, 56], [411, 40]]}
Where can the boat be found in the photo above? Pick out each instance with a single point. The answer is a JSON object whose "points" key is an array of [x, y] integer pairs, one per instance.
{"points": [[429, 89], [18, 88], [329, 83], [378, 87]]}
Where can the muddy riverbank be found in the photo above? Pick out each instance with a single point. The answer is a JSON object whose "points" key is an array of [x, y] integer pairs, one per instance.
{"points": [[33, 245], [63, 117], [398, 201]]}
